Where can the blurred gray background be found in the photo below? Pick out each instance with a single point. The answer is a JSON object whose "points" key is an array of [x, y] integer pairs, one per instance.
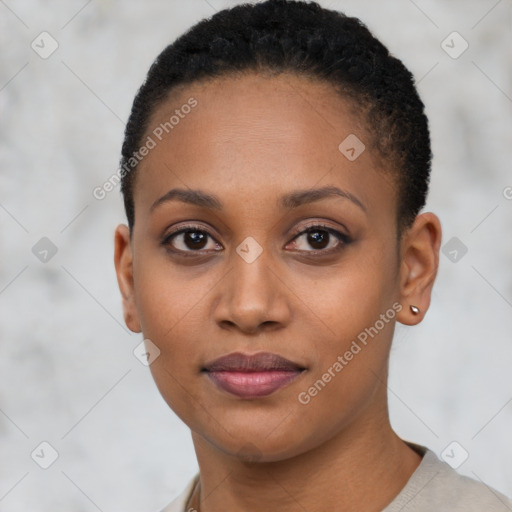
{"points": [[68, 376]]}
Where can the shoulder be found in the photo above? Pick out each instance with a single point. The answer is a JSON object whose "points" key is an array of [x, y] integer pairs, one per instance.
{"points": [[180, 502], [435, 485]]}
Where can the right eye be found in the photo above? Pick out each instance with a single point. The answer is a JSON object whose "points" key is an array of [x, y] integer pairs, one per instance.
{"points": [[190, 239]]}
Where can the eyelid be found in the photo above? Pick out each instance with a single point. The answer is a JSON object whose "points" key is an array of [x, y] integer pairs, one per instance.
{"points": [[187, 227], [320, 224]]}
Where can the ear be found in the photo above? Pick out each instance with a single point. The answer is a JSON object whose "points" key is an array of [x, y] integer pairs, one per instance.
{"points": [[123, 261], [419, 264]]}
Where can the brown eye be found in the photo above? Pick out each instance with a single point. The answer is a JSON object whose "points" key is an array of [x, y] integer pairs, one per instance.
{"points": [[320, 238], [190, 239], [195, 239]]}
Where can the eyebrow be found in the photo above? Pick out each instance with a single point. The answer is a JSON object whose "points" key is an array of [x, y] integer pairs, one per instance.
{"points": [[290, 200]]}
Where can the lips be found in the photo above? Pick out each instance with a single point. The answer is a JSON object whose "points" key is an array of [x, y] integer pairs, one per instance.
{"points": [[252, 376]]}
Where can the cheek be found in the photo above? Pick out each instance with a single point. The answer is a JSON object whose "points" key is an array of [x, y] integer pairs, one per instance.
{"points": [[172, 315], [169, 295], [350, 297], [357, 308]]}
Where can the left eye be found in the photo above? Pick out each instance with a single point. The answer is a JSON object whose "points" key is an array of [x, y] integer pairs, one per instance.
{"points": [[320, 238]]}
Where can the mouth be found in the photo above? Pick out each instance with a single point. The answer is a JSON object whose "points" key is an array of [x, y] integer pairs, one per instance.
{"points": [[252, 376]]}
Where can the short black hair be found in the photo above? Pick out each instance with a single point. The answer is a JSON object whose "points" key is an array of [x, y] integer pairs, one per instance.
{"points": [[300, 37]]}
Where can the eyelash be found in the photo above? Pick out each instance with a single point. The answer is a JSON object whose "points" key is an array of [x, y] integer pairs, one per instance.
{"points": [[341, 237]]}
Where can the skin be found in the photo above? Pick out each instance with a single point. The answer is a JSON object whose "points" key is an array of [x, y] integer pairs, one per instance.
{"points": [[249, 141]]}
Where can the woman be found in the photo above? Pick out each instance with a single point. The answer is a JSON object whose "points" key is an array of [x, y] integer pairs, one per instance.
{"points": [[274, 167]]}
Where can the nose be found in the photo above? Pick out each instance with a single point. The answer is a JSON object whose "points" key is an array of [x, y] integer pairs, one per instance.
{"points": [[252, 297]]}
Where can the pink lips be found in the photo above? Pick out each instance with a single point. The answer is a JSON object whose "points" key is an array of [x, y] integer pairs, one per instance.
{"points": [[252, 376]]}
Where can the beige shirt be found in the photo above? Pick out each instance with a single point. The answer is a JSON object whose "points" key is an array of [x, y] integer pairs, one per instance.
{"points": [[433, 487]]}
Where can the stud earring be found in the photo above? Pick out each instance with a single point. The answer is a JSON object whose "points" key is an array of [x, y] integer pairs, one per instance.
{"points": [[415, 310]]}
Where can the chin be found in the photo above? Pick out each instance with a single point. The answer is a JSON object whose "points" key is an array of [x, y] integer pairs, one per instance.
{"points": [[251, 444]]}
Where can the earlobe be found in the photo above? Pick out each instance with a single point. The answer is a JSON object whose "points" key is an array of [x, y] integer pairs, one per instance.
{"points": [[419, 265], [123, 261]]}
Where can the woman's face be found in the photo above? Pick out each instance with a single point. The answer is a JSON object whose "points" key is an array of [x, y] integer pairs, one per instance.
{"points": [[291, 250]]}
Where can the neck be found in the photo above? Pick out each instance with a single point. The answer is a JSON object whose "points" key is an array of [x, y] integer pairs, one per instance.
{"points": [[363, 467]]}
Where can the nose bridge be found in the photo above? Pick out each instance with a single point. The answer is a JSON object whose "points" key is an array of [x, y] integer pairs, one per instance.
{"points": [[252, 295], [251, 273]]}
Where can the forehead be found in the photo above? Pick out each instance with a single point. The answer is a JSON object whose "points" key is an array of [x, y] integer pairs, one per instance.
{"points": [[259, 136], [280, 110]]}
